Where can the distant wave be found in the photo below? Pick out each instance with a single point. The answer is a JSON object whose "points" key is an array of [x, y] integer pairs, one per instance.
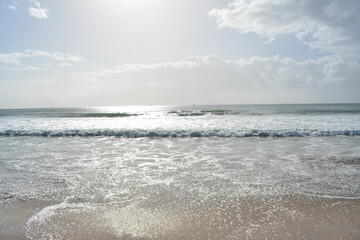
{"points": [[216, 112], [71, 115], [327, 111], [103, 115], [184, 113], [187, 113], [160, 133], [275, 112]]}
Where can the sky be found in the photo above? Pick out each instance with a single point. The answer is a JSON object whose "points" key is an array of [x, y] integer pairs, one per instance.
{"points": [[76, 53]]}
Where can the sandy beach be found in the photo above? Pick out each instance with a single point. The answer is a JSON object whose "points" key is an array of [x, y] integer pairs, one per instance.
{"points": [[285, 218]]}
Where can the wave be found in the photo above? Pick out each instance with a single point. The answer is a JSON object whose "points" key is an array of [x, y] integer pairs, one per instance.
{"points": [[72, 115], [274, 112], [328, 111], [162, 133], [105, 115], [184, 113], [187, 113], [6, 196], [193, 111]]}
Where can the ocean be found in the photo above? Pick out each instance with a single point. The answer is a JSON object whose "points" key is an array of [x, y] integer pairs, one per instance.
{"points": [[181, 172]]}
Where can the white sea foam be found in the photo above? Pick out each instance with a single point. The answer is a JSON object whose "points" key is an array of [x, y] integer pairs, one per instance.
{"points": [[39, 226], [106, 169], [193, 122], [163, 133]]}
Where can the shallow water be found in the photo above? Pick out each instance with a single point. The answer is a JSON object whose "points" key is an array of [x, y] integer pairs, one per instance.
{"points": [[184, 187], [164, 188]]}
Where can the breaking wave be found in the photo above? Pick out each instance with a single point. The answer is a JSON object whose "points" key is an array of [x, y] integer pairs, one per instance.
{"points": [[184, 113], [261, 112], [105, 115], [165, 133]]}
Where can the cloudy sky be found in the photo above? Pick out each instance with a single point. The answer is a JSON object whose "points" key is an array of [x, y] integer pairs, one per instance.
{"points": [[141, 52]]}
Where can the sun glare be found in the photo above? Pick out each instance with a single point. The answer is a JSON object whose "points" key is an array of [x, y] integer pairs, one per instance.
{"points": [[129, 4]]}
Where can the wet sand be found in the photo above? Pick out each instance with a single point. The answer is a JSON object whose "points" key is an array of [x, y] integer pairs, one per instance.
{"points": [[217, 218]]}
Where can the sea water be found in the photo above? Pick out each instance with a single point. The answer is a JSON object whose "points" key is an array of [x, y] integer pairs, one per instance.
{"points": [[181, 172]]}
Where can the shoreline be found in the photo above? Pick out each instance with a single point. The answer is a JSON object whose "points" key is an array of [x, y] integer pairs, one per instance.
{"points": [[219, 218]]}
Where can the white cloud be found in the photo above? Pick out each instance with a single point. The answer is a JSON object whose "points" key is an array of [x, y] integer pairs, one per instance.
{"points": [[201, 80], [12, 7], [64, 64], [214, 73], [327, 25], [17, 58], [213, 80], [39, 13], [35, 9], [11, 58], [66, 57], [45, 65], [22, 68]]}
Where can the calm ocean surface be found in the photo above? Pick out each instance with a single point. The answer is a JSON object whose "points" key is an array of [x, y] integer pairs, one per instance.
{"points": [[181, 172]]}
